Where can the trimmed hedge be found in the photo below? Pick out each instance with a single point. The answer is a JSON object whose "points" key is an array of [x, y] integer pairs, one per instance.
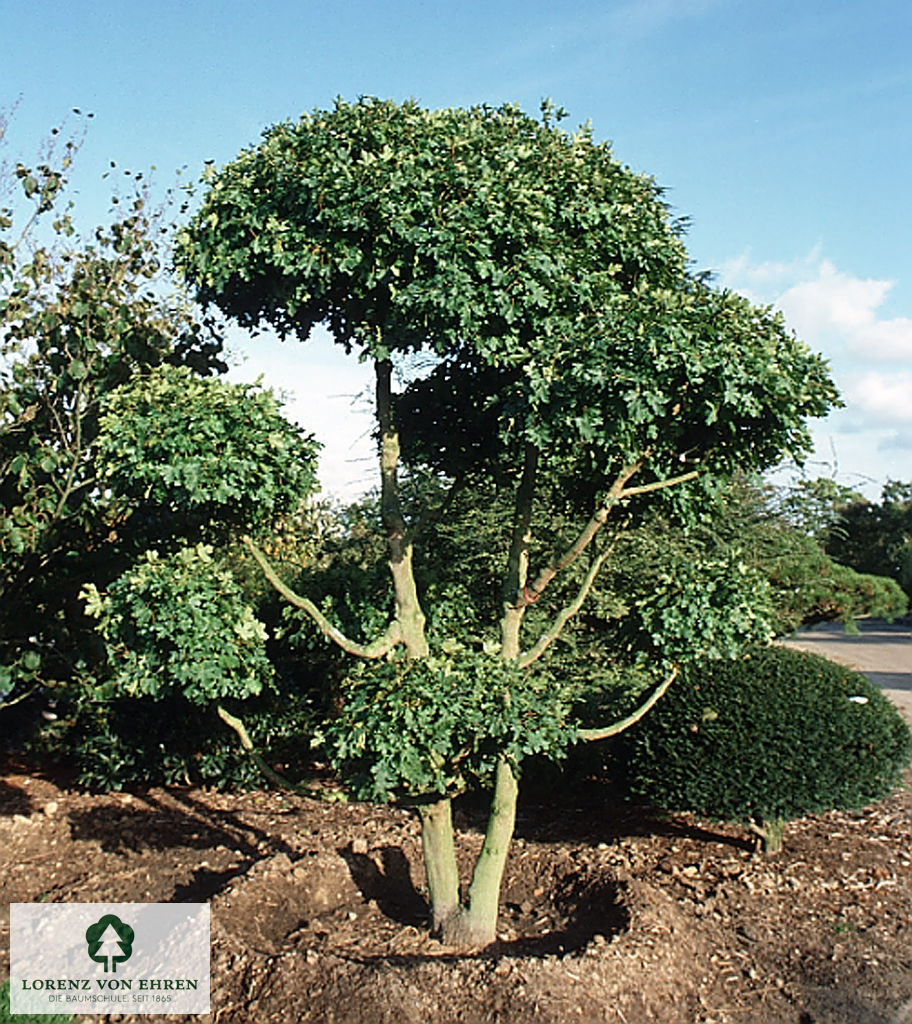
{"points": [[772, 736]]}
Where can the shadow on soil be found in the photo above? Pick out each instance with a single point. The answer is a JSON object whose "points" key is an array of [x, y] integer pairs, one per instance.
{"points": [[586, 907], [605, 824], [589, 906], [599, 813], [181, 822], [13, 800], [389, 885]]}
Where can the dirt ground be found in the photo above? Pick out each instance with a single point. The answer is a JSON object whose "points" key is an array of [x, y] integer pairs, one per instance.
{"points": [[610, 913]]}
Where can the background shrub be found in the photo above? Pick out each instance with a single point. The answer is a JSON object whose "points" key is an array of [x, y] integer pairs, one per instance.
{"points": [[28, 1018], [114, 743], [769, 737]]}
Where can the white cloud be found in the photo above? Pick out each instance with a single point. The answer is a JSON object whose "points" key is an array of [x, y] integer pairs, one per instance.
{"points": [[832, 300], [835, 302], [883, 397], [885, 339], [839, 314], [824, 304], [762, 282]]}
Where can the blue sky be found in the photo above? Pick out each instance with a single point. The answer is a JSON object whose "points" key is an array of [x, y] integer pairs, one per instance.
{"points": [[782, 130]]}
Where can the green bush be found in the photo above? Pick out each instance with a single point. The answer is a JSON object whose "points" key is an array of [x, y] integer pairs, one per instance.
{"points": [[180, 623], [440, 725], [114, 743], [27, 1018], [775, 735]]}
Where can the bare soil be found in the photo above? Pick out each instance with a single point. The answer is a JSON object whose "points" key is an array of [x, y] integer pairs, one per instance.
{"points": [[610, 912]]}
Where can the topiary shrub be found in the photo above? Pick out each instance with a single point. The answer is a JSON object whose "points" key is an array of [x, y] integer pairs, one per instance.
{"points": [[774, 735]]}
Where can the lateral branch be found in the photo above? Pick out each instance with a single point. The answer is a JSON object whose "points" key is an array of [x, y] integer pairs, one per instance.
{"points": [[568, 611], [376, 649], [619, 490], [632, 719]]}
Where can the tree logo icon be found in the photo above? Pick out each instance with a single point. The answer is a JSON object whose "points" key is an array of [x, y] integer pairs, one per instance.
{"points": [[110, 942]]}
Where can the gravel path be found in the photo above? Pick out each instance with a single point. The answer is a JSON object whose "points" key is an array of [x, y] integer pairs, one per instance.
{"points": [[881, 650]]}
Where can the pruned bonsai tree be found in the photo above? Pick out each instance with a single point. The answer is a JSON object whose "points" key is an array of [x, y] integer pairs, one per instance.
{"points": [[553, 346]]}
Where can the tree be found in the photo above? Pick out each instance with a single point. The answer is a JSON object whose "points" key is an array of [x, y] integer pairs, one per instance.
{"points": [[782, 533], [116, 441], [77, 319], [572, 362], [185, 457], [876, 537], [815, 507]]}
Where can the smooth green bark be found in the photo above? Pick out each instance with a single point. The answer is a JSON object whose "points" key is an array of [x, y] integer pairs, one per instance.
{"points": [[409, 614], [440, 862], [475, 925]]}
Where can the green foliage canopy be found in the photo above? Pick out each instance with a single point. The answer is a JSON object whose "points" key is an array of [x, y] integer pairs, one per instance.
{"points": [[781, 534], [180, 622], [404, 228], [546, 277], [438, 726], [220, 454], [876, 537]]}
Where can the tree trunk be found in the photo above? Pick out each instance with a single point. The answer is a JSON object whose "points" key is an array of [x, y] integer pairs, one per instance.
{"points": [[475, 925], [409, 614], [440, 862], [771, 833], [515, 596]]}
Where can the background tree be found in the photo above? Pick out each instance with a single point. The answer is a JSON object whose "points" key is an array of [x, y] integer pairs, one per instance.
{"points": [[876, 537], [114, 439], [77, 319], [783, 533], [189, 458], [575, 364], [814, 507]]}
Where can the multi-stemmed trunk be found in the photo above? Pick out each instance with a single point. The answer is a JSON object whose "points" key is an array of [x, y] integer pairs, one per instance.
{"points": [[473, 923]]}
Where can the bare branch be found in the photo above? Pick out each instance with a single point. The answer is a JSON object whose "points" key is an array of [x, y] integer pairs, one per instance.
{"points": [[76, 456], [532, 593], [377, 649], [625, 723], [619, 490], [567, 613], [17, 700], [659, 485], [247, 744]]}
